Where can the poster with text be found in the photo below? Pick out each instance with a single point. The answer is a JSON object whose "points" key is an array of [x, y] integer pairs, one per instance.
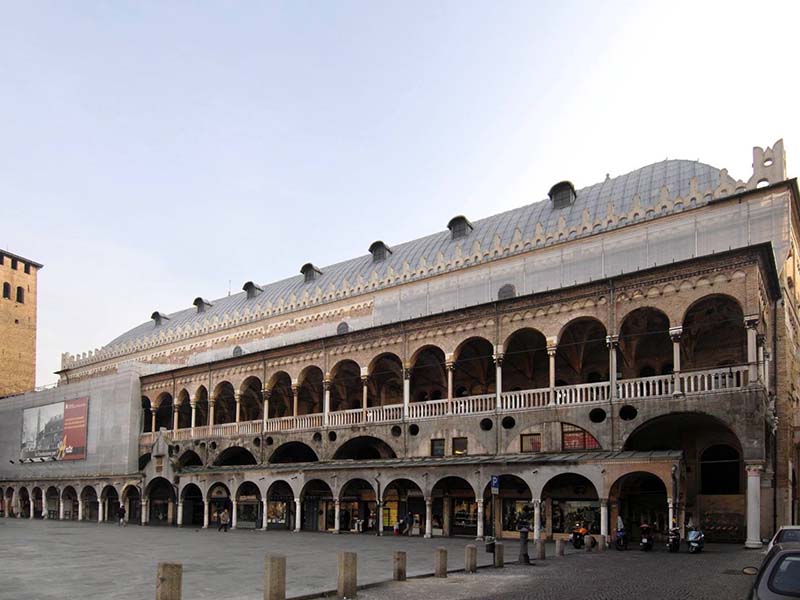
{"points": [[55, 430], [75, 418]]}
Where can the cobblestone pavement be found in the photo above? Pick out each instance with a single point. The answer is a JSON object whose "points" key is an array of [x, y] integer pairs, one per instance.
{"points": [[634, 575]]}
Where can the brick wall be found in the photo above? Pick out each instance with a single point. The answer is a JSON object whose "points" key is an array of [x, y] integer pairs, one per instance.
{"points": [[17, 326]]}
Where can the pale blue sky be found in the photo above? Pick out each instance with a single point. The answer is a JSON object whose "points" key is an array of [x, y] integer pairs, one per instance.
{"points": [[151, 152]]}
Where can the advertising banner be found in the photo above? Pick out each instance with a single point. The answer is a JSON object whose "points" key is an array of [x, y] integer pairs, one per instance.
{"points": [[55, 430]]}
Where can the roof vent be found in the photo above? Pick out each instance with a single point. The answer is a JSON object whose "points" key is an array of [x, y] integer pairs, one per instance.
{"points": [[252, 289], [310, 272], [562, 194], [459, 227], [379, 251], [202, 304], [159, 318]]}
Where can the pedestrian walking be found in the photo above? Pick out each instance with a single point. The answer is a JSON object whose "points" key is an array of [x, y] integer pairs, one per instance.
{"points": [[224, 519], [121, 514]]}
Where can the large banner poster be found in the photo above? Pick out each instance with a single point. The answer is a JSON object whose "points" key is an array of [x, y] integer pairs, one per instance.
{"points": [[55, 430]]}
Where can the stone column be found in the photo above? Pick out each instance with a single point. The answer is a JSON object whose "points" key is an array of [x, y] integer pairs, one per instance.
{"points": [[480, 519], [604, 517], [211, 404], [336, 519], [751, 322], [446, 516], [675, 334], [80, 509], [670, 513], [153, 418], [406, 391], [380, 518], [234, 513], [612, 341], [364, 397], [428, 517], [266, 392], [237, 397], [297, 514], [760, 341], [180, 513], [60, 509], [101, 505], [32, 505], [295, 397], [551, 354], [264, 502], [206, 508], [449, 366], [498, 374], [193, 404], [537, 520], [175, 408], [145, 506], [326, 401], [753, 506]]}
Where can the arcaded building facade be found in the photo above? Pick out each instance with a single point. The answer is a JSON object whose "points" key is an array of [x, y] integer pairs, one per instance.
{"points": [[625, 349]]}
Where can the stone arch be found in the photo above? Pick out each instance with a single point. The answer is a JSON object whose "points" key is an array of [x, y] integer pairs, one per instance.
{"points": [[427, 374], [473, 368], [581, 354], [90, 503], [502, 510], [714, 333], [147, 420], [525, 361], [248, 505], [318, 507], [184, 409], [38, 501], [190, 458], [293, 452], [280, 505], [357, 505], [201, 406], [251, 400], [235, 456], [454, 506], [640, 497], [364, 448], [131, 498], [346, 387], [573, 497], [645, 347], [218, 496], [224, 403], [193, 506], [109, 497], [160, 495], [310, 391], [402, 496], [281, 398], [385, 384], [164, 411]]}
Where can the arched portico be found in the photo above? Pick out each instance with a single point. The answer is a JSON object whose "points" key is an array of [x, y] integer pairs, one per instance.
{"points": [[570, 498], [403, 497], [454, 508], [160, 502], [109, 501], [192, 506], [218, 499], [502, 510], [318, 509], [281, 506], [640, 497], [356, 506], [247, 507]]}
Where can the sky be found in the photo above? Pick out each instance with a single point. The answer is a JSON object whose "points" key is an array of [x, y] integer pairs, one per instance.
{"points": [[153, 152]]}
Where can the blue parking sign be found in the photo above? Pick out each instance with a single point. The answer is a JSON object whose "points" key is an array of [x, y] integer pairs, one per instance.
{"points": [[495, 484]]}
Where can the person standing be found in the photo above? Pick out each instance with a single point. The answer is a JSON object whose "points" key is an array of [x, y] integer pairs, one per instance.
{"points": [[121, 514], [224, 519]]}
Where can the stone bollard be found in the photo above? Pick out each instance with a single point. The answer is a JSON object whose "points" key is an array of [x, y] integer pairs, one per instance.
{"points": [[168, 581], [538, 546], [601, 543], [587, 543], [347, 575], [440, 562], [399, 566], [470, 558], [523, 559], [274, 577], [559, 547], [498, 555]]}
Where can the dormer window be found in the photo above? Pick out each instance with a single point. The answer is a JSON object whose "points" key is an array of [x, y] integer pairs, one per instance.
{"points": [[562, 194], [310, 272], [252, 290], [159, 318], [459, 227], [202, 304], [379, 251]]}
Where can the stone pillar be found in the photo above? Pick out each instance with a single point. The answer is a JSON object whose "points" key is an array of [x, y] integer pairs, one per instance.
{"points": [[428, 517], [348, 575], [180, 513], [237, 397], [175, 408], [211, 404], [537, 520], [440, 562], [751, 322], [274, 577], [297, 515], [612, 341], [364, 397], [31, 505], [675, 334], [380, 518], [168, 581], [206, 508], [480, 519], [753, 506], [265, 502], [406, 391], [470, 558], [446, 516], [399, 564], [295, 397], [498, 374], [153, 418], [551, 354], [266, 393], [761, 340], [234, 513], [559, 547], [449, 366], [80, 509], [499, 555], [670, 513], [193, 404], [604, 516], [336, 518], [60, 509], [101, 505]]}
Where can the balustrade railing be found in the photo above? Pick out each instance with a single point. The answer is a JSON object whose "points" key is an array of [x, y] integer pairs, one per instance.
{"points": [[471, 405], [524, 399], [427, 410], [645, 387], [351, 416], [712, 380], [584, 392]]}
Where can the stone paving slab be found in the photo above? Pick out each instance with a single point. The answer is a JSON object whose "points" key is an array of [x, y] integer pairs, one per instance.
{"points": [[49, 560]]}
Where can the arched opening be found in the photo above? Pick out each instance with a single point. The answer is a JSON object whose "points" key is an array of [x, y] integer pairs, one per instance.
{"points": [[581, 355], [192, 506], [318, 506], [310, 392], [70, 499], [201, 407], [147, 419], [473, 371], [525, 361], [132, 500], [455, 511], [293, 452], [38, 502], [190, 458], [714, 334], [575, 438], [428, 377], [645, 348], [280, 506], [52, 498], [720, 515], [567, 499], [235, 456], [110, 500], [385, 381], [90, 503], [364, 448], [252, 400], [144, 460], [502, 510], [161, 502], [224, 403], [403, 497], [357, 506], [164, 412], [184, 410], [346, 387], [248, 506], [219, 500], [640, 498], [281, 400]]}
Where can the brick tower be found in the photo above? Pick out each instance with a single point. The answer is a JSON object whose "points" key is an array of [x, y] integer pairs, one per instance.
{"points": [[17, 323]]}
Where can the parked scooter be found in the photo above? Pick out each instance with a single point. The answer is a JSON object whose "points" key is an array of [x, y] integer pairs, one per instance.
{"points": [[674, 539], [621, 542], [647, 537], [696, 540], [578, 536]]}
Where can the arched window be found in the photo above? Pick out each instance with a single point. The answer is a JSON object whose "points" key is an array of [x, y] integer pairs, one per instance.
{"points": [[20, 295], [506, 292], [575, 438], [720, 470], [7, 290]]}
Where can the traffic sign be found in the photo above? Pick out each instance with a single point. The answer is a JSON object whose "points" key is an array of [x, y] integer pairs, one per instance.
{"points": [[495, 485]]}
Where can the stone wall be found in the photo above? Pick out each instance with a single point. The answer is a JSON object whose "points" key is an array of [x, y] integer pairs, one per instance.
{"points": [[17, 328]]}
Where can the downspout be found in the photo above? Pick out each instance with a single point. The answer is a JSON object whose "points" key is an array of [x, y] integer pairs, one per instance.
{"points": [[775, 445]]}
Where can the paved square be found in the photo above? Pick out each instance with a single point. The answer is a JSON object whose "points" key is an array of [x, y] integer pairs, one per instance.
{"points": [[45, 560]]}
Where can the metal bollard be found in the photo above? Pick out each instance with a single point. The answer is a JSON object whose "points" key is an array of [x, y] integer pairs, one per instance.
{"points": [[168, 581], [539, 549], [470, 558], [399, 566], [559, 547], [498, 555], [274, 577], [440, 562], [523, 559], [347, 575]]}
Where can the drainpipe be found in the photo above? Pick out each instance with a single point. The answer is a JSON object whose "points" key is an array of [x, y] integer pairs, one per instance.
{"points": [[775, 445]]}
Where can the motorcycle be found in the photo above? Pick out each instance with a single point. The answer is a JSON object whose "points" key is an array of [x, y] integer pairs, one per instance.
{"points": [[621, 542], [674, 540], [696, 540], [578, 536], [647, 538]]}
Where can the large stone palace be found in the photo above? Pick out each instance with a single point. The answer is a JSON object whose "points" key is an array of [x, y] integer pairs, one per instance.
{"points": [[625, 350]]}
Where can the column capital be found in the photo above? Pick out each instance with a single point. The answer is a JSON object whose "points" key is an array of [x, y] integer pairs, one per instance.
{"points": [[295, 387], [266, 392], [604, 502], [612, 341], [751, 321], [675, 333], [364, 379], [498, 359], [428, 500], [326, 384], [761, 340], [237, 396], [193, 403], [479, 502], [551, 350], [449, 365], [536, 502], [754, 469], [406, 373]]}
